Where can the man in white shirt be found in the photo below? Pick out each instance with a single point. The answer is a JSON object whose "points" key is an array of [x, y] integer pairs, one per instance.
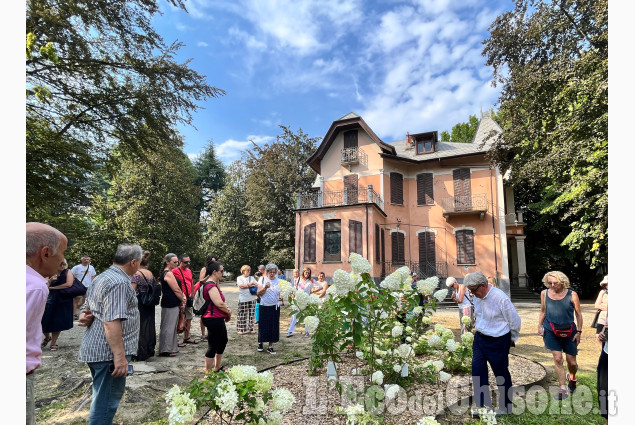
{"points": [[85, 273], [497, 325]]}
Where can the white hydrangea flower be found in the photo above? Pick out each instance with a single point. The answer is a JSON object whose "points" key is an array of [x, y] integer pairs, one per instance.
{"points": [[439, 328], [427, 286], [282, 400], [285, 287], [427, 363], [441, 294], [343, 282], [264, 381], [448, 334], [392, 282], [311, 323], [444, 376], [466, 320], [359, 354], [275, 418], [259, 407], [427, 420], [434, 341], [379, 362], [383, 315], [241, 373], [354, 414], [181, 407], [359, 264], [404, 273], [405, 350], [417, 310], [392, 391], [467, 338], [378, 377], [409, 329], [227, 397], [450, 345], [409, 340], [314, 299], [396, 367], [302, 299], [397, 331], [438, 365], [426, 320]]}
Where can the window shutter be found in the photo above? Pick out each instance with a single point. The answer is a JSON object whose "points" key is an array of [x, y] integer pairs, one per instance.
{"points": [[465, 247], [355, 237], [425, 189], [309, 243], [350, 184], [377, 245], [350, 139], [383, 253], [462, 189], [398, 247], [396, 188]]}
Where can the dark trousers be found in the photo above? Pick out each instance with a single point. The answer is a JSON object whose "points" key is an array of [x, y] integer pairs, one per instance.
{"points": [[495, 351], [603, 383]]}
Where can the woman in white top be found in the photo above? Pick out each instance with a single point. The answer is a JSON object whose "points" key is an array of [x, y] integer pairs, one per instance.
{"points": [[301, 283], [246, 301], [462, 297], [269, 314]]}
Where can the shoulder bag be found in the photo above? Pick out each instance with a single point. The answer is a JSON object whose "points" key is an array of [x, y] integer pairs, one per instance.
{"points": [[253, 290], [77, 289], [152, 296]]}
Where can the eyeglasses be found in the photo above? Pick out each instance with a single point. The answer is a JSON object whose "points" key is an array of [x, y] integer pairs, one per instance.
{"points": [[187, 262], [272, 271], [473, 289]]}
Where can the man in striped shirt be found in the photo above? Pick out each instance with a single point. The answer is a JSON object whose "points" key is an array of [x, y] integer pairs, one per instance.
{"points": [[112, 338]]}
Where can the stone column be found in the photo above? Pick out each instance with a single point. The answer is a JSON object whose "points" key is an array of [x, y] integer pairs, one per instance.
{"points": [[522, 264]]}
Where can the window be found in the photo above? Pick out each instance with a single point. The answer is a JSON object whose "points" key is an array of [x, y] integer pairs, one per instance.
{"points": [[427, 255], [332, 240], [350, 184], [396, 188], [465, 247], [462, 189], [350, 139], [424, 145], [425, 189], [309, 243], [398, 247], [377, 245], [355, 237]]}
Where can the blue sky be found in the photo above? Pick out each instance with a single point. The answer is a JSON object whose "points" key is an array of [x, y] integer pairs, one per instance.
{"points": [[402, 65]]}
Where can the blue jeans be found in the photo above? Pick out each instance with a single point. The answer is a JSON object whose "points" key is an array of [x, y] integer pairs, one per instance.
{"points": [[107, 393]]}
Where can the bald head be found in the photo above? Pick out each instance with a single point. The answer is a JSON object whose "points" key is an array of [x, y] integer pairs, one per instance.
{"points": [[45, 247]]}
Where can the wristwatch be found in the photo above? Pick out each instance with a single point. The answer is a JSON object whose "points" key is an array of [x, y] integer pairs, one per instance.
{"points": [[579, 332]]}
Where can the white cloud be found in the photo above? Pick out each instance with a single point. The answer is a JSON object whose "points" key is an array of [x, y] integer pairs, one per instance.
{"points": [[202, 44], [231, 150]]}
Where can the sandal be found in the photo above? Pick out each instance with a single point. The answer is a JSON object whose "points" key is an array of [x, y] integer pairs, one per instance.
{"points": [[189, 341], [180, 345], [220, 368], [46, 341], [54, 347], [204, 339]]}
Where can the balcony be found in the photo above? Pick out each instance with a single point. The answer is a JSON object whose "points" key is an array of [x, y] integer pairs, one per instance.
{"points": [[461, 205], [423, 270], [336, 198], [351, 156], [514, 223]]}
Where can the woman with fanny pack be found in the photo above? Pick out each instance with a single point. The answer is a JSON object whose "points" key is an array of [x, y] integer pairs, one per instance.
{"points": [[557, 328]]}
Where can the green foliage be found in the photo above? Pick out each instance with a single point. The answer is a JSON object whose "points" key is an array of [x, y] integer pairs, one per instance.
{"points": [[210, 176], [98, 76], [463, 132], [552, 62], [141, 194]]}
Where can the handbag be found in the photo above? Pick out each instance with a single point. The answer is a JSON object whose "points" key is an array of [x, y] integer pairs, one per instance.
{"points": [[562, 331], [77, 289], [152, 296], [253, 290], [595, 319], [180, 327]]}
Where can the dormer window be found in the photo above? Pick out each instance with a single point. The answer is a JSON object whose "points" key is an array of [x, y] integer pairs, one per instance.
{"points": [[424, 145], [423, 142]]}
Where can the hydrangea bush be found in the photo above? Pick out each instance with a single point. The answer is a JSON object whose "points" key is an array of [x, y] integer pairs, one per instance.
{"points": [[240, 393]]}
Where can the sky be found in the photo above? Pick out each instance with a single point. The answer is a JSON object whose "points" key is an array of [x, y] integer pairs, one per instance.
{"points": [[403, 66]]}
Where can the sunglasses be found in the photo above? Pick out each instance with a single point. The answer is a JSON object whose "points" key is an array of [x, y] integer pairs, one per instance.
{"points": [[186, 262]]}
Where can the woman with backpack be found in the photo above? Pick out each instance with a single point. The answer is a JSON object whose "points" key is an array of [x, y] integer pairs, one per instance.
{"points": [[148, 295], [214, 317]]}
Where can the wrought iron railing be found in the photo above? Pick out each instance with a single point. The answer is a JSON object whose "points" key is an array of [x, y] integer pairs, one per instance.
{"points": [[354, 156], [332, 198], [464, 203], [423, 270]]}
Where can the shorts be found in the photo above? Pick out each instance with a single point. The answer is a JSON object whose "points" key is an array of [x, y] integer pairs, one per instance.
{"points": [[553, 343], [189, 313]]}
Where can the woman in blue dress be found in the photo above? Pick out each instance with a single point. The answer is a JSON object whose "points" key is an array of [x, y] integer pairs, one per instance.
{"points": [[58, 313]]}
